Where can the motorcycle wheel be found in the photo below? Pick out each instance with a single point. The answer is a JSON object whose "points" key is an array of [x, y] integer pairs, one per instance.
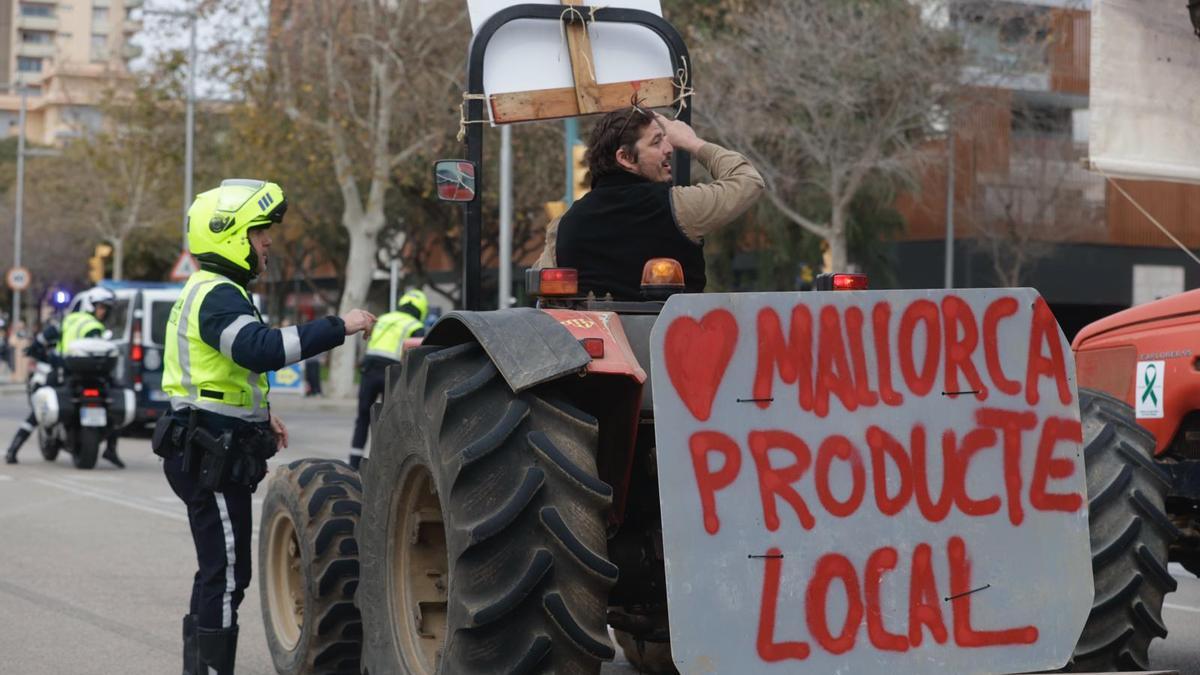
{"points": [[48, 444], [87, 447]]}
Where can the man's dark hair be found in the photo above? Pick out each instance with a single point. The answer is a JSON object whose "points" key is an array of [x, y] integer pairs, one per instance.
{"points": [[618, 129]]}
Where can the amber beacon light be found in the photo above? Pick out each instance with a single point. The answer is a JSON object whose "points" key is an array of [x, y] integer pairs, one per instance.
{"points": [[661, 277]]}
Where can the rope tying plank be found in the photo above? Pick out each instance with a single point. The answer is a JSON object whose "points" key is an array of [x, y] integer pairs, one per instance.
{"points": [[462, 114]]}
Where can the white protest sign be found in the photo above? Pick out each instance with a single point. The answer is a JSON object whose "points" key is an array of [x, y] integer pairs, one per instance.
{"points": [[867, 482], [531, 55]]}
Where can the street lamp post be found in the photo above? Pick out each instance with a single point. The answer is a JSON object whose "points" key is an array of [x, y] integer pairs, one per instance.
{"points": [[192, 17], [190, 143], [19, 217]]}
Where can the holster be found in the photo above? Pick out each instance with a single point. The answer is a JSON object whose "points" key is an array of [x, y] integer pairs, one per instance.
{"points": [[171, 436], [217, 456], [234, 455]]}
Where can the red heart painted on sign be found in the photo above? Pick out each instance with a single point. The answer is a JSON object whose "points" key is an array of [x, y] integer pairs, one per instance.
{"points": [[698, 352]]}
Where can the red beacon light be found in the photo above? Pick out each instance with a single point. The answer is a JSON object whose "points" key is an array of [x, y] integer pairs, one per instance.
{"points": [[841, 282], [552, 282]]}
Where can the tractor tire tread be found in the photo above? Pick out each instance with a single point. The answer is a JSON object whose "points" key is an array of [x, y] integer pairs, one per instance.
{"points": [[322, 498], [1130, 536]]}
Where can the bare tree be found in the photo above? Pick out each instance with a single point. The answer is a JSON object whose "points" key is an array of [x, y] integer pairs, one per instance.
{"points": [[376, 78], [115, 170], [1046, 197], [821, 94]]}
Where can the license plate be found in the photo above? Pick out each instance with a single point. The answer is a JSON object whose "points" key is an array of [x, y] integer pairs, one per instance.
{"points": [[93, 417], [158, 395]]}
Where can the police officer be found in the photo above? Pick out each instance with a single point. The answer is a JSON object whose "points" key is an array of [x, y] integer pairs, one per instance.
{"points": [[220, 432], [95, 304], [88, 320], [385, 349], [44, 350]]}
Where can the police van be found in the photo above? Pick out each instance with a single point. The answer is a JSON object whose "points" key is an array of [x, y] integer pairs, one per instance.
{"points": [[138, 322]]}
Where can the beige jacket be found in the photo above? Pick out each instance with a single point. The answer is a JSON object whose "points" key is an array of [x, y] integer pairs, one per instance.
{"points": [[699, 209]]}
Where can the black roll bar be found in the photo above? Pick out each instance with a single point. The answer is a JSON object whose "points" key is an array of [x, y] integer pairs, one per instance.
{"points": [[473, 213]]}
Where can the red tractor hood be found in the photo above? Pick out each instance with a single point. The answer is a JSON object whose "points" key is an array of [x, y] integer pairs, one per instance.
{"points": [[1171, 308], [1165, 333]]}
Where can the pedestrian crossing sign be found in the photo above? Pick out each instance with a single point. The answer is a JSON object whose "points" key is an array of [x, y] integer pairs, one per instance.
{"points": [[185, 265]]}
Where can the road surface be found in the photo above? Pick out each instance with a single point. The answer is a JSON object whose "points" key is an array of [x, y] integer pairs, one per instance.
{"points": [[95, 566]]}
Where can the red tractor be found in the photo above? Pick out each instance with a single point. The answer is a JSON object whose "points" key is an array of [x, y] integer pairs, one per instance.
{"points": [[508, 513], [1142, 374]]}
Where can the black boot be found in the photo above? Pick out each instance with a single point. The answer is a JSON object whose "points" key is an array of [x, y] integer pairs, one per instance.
{"points": [[110, 453], [10, 457], [216, 650], [189, 645]]}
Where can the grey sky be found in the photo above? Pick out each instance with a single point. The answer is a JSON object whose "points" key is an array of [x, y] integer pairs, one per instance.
{"points": [[162, 33]]}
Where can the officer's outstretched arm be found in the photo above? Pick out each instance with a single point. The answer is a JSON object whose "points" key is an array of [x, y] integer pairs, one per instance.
{"points": [[229, 324]]}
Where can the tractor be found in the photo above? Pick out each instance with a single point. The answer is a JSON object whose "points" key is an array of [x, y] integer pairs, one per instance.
{"points": [[508, 513]]}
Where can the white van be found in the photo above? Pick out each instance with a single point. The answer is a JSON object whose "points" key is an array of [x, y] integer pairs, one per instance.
{"points": [[138, 323]]}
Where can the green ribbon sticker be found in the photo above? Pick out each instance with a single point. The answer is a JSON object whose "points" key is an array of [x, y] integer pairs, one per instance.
{"points": [[1149, 378]]}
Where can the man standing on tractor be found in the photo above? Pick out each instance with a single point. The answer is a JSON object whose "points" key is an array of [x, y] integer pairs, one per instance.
{"points": [[220, 433], [385, 349], [633, 213], [95, 304]]}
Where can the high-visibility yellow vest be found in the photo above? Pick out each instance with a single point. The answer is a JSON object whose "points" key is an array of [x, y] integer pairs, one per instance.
{"points": [[389, 334], [74, 326], [197, 376]]}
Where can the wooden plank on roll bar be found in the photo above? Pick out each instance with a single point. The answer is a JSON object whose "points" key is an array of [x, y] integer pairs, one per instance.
{"points": [[579, 44], [544, 104]]}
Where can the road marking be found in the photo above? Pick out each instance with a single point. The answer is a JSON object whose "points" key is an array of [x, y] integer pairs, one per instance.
{"points": [[85, 492], [130, 503], [91, 478], [4, 477], [1181, 608]]}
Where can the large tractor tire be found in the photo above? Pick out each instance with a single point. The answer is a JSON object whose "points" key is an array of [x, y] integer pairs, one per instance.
{"points": [[1130, 533], [483, 536], [308, 567], [87, 447]]}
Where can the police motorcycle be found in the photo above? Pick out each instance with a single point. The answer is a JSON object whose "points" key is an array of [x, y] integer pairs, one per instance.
{"points": [[79, 412]]}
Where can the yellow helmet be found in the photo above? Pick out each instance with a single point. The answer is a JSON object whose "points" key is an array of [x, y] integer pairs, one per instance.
{"points": [[417, 299], [219, 220]]}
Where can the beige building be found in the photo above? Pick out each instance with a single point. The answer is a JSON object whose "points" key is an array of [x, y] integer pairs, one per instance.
{"points": [[64, 54]]}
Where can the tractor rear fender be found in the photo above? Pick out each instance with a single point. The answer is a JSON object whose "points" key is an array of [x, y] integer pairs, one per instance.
{"points": [[528, 346], [531, 347]]}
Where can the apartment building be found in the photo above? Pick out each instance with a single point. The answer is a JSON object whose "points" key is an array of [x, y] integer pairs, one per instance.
{"points": [[1025, 208], [64, 54]]}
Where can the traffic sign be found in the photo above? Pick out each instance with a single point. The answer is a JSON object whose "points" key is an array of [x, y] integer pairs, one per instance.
{"points": [[185, 265], [18, 278]]}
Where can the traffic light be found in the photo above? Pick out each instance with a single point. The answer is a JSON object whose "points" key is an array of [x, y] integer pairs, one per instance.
{"points": [[581, 181], [96, 262]]}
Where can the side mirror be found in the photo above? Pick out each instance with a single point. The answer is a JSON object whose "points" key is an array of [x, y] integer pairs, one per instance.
{"points": [[455, 180]]}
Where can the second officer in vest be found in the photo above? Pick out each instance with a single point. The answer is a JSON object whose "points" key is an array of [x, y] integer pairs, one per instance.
{"points": [[220, 433], [95, 304], [385, 349]]}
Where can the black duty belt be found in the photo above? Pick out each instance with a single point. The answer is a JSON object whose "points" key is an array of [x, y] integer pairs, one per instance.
{"points": [[218, 452]]}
